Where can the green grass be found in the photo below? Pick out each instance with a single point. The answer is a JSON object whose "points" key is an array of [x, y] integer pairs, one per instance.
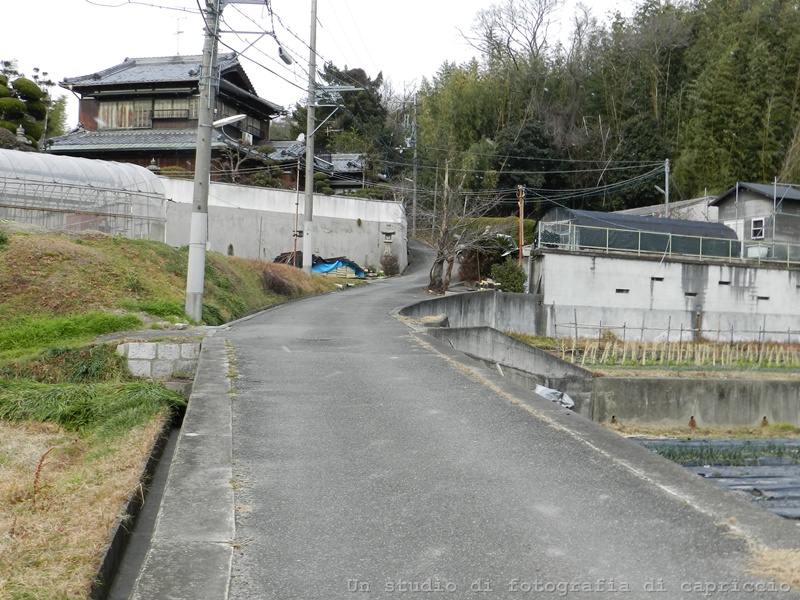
{"points": [[159, 308], [85, 364], [107, 410], [36, 333], [735, 455]]}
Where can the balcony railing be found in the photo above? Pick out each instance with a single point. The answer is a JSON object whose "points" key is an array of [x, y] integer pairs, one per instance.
{"points": [[171, 113], [567, 236]]}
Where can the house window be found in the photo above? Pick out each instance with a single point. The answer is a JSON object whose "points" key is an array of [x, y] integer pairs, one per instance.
{"points": [[124, 114], [175, 108], [757, 229]]}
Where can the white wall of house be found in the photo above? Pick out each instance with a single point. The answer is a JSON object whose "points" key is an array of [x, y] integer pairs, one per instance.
{"points": [[255, 222], [651, 299]]}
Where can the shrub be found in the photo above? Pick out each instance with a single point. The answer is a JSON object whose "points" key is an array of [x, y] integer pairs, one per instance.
{"points": [[509, 275], [390, 265], [272, 281]]}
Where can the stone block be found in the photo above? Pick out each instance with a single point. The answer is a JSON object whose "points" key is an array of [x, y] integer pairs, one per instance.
{"points": [[190, 351], [142, 351], [169, 351], [140, 368]]}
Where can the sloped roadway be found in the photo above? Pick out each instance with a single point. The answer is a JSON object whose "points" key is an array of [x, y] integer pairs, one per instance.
{"points": [[371, 463]]}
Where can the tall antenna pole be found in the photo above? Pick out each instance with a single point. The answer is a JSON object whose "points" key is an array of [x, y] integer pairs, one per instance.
{"points": [[308, 245]]}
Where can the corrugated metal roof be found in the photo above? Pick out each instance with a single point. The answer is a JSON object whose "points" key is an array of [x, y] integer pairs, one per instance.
{"points": [[768, 190], [130, 139], [636, 223]]}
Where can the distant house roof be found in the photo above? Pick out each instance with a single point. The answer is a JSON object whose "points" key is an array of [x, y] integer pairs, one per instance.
{"points": [[780, 192], [288, 152], [590, 218], [118, 140], [157, 73]]}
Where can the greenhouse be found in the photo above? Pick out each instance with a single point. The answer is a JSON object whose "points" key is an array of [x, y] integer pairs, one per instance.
{"points": [[78, 193]]}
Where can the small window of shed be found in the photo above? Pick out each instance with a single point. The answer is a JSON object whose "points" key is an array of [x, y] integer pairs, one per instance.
{"points": [[757, 229]]}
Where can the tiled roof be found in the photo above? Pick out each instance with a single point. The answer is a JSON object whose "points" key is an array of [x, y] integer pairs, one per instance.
{"points": [[130, 139], [152, 70], [339, 163]]}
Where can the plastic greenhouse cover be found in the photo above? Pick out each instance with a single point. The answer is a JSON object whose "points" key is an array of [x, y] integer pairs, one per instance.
{"points": [[33, 166]]}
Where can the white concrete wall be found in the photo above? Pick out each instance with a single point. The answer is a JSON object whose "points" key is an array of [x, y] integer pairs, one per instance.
{"points": [[259, 222], [664, 297]]}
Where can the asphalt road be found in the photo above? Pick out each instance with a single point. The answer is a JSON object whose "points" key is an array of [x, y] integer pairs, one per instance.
{"points": [[368, 464]]}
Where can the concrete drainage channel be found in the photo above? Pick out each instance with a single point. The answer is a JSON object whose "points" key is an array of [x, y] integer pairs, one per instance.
{"points": [[766, 471]]}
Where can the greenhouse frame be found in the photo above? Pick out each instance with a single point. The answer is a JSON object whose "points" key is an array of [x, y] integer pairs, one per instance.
{"points": [[77, 194]]}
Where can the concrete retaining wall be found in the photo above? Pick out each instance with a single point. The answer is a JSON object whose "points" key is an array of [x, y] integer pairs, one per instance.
{"points": [[652, 401], [161, 360], [499, 310], [255, 222], [713, 402], [653, 298]]}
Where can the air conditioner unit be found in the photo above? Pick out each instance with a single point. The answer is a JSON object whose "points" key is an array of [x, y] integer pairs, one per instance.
{"points": [[247, 138]]}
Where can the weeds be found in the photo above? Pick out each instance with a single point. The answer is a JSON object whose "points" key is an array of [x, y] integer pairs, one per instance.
{"points": [[35, 333], [105, 410], [38, 486], [744, 454]]}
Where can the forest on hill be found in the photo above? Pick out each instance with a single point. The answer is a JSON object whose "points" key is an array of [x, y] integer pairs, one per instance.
{"points": [[712, 86]]}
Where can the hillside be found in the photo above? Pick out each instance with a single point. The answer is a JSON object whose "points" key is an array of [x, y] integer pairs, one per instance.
{"points": [[75, 427], [47, 275]]}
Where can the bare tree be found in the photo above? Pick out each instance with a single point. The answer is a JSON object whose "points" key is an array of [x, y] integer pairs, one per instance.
{"points": [[514, 31], [455, 229]]}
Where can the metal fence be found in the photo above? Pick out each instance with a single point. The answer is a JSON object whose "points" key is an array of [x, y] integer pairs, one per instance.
{"points": [[568, 236]]}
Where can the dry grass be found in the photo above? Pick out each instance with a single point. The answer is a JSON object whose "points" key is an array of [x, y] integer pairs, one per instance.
{"points": [[653, 431], [56, 512], [782, 566]]}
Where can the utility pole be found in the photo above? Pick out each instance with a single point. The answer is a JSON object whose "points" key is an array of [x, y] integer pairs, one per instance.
{"points": [[198, 236], [308, 238], [207, 84], [521, 198], [414, 196], [666, 188]]}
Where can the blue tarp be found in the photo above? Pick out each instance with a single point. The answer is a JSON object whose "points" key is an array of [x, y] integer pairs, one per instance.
{"points": [[321, 265]]}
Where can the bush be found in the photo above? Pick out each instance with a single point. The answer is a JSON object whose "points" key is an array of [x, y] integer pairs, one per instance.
{"points": [[176, 173], [509, 275], [390, 265], [274, 282]]}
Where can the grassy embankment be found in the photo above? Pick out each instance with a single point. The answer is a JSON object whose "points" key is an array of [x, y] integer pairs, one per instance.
{"points": [[75, 427]]}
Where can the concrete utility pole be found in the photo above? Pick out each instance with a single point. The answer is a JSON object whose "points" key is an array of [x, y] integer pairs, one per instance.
{"points": [[414, 197], [208, 84], [198, 236], [666, 188], [308, 237], [521, 198]]}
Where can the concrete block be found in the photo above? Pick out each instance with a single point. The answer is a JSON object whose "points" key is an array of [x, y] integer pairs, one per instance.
{"points": [[142, 351], [190, 351], [162, 368], [168, 351], [122, 350], [140, 368], [185, 367]]}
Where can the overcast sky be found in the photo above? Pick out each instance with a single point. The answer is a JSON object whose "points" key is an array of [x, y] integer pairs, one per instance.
{"points": [[405, 40]]}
